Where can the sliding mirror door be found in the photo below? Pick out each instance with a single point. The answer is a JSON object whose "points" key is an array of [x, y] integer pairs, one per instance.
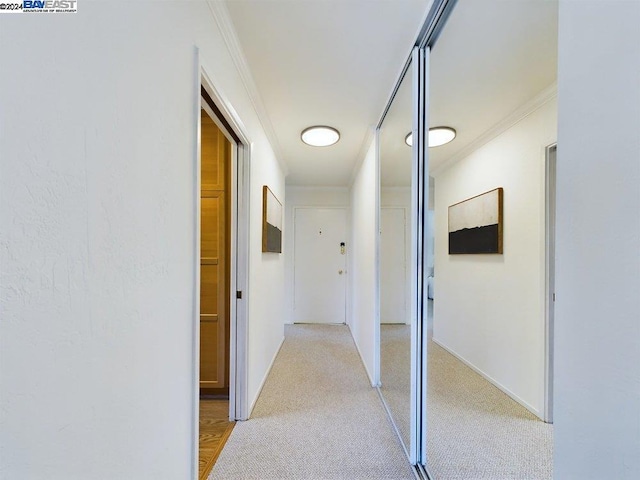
{"points": [[405, 247], [493, 81], [395, 156]]}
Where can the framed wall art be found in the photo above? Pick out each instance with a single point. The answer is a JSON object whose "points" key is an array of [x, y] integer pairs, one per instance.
{"points": [[475, 224], [271, 222]]}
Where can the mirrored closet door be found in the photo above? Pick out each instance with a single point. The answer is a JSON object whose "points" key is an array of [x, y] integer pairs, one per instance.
{"points": [[395, 155], [490, 369]]}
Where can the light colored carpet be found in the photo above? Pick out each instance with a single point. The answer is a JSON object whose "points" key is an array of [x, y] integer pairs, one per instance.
{"points": [[395, 374], [477, 432], [317, 417]]}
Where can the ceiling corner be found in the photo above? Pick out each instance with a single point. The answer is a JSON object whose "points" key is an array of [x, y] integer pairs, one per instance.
{"points": [[227, 30]]}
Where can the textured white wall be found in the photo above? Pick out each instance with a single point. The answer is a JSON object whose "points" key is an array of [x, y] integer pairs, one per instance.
{"points": [[489, 309], [97, 238], [306, 197], [597, 344], [362, 310]]}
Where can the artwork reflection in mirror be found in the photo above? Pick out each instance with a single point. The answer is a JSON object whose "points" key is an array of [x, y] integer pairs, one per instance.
{"points": [[475, 333], [395, 256]]}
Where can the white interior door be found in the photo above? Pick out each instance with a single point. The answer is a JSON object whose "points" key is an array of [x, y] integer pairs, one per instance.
{"points": [[320, 265], [393, 265]]}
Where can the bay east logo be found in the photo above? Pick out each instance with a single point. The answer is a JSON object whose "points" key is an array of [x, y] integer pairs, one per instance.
{"points": [[39, 6], [49, 6]]}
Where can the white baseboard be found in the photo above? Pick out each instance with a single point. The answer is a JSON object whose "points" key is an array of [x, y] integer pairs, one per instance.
{"points": [[253, 403], [364, 364], [490, 379]]}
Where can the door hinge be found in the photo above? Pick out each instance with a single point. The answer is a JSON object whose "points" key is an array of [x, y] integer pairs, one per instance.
{"points": [[239, 294]]}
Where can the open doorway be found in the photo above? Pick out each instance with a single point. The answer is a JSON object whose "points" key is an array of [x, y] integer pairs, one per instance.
{"points": [[215, 282], [215, 245], [221, 279]]}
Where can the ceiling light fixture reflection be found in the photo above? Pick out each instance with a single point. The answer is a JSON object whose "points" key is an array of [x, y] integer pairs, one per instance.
{"points": [[440, 135], [320, 136], [437, 136]]}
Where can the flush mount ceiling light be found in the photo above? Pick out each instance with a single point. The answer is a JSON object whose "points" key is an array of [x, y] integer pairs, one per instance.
{"points": [[320, 136], [440, 135], [437, 136]]}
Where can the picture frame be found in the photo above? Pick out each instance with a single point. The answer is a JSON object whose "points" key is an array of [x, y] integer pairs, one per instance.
{"points": [[476, 224], [271, 222]]}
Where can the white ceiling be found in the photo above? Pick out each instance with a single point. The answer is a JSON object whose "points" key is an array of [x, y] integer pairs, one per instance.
{"points": [[395, 154], [326, 62], [492, 57], [335, 62]]}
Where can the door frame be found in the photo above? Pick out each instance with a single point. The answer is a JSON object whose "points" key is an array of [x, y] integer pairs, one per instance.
{"points": [[231, 125], [550, 243], [346, 259], [420, 201]]}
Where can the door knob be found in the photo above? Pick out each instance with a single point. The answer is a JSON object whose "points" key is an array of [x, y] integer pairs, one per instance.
{"points": [[339, 272]]}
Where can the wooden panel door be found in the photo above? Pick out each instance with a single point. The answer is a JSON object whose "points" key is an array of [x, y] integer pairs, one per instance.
{"points": [[214, 259]]}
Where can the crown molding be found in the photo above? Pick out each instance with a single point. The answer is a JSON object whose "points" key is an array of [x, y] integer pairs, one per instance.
{"points": [[222, 18], [502, 126]]}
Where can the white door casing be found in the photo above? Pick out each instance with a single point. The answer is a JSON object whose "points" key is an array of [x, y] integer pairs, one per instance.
{"points": [[550, 261], [319, 265]]}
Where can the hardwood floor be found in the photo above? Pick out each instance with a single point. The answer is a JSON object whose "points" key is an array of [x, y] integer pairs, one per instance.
{"points": [[215, 429]]}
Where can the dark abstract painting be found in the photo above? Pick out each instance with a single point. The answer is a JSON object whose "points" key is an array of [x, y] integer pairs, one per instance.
{"points": [[475, 225], [271, 222]]}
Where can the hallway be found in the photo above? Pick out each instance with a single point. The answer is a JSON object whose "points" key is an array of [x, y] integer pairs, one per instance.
{"points": [[317, 417], [101, 215]]}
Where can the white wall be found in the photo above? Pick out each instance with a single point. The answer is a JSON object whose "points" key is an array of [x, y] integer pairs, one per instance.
{"points": [[489, 309], [305, 197], [97, 201], [396, 197], [266, 273], [399, 197], [597, 347], [362, 312]]}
